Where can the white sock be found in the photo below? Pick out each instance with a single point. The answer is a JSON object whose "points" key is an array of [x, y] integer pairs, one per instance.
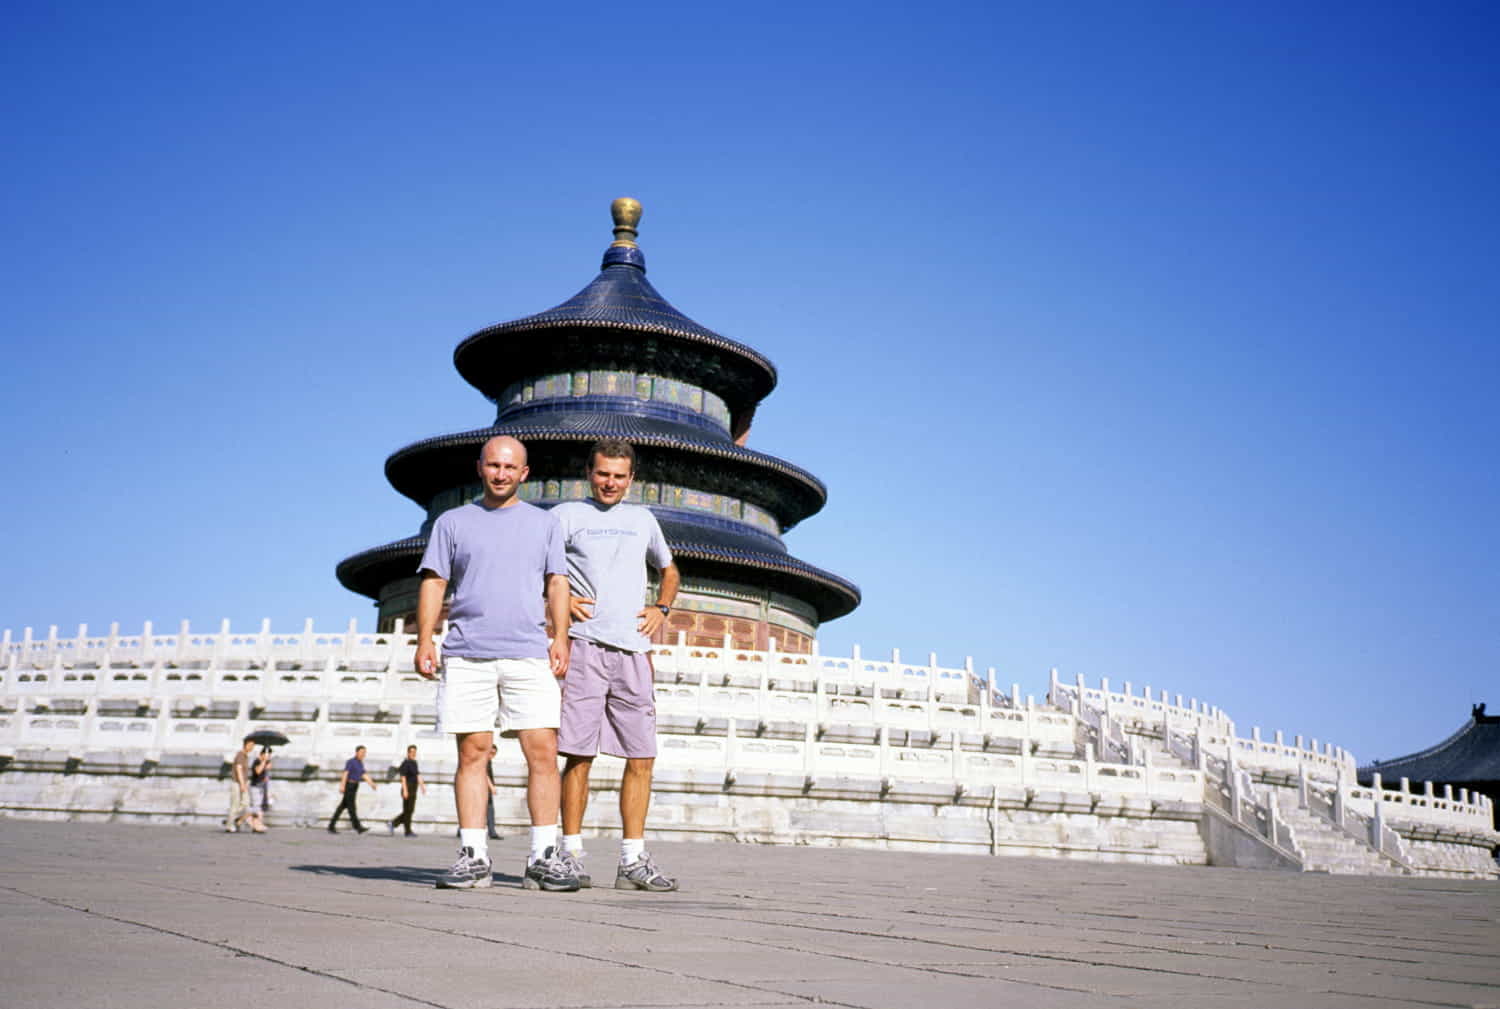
{"points": [[542, 838], [474, 837], [631, 848], [573, 843]]}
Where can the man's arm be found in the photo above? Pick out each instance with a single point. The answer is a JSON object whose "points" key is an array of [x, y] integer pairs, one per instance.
{"points": [[239, 776], [344, 780], [429, 608], [651, 618], [557, 611]]}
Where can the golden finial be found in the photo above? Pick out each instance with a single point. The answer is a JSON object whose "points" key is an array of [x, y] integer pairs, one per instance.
{"points": [[627, 214]]}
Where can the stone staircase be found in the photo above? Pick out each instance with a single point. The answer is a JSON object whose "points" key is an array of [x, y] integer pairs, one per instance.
{"points": [[1322, 845], [1326, 848]]}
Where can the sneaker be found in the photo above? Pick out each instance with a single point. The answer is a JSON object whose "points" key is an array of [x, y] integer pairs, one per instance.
{"points": [[550, 872], [468, 873], [642, 874], [390, 827], [573, 860]]}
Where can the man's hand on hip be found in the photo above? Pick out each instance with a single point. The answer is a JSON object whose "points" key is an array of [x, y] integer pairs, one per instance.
{"points": [[650, 620]]}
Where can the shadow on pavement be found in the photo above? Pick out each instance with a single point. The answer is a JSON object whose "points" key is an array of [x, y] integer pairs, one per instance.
{"points": [[395, 873]]}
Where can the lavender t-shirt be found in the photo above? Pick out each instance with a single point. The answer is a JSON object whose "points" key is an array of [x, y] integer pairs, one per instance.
{"points": [[496, 560]]}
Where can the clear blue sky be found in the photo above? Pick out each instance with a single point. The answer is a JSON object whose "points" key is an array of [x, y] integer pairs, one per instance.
{"points": [[1154, 341]]}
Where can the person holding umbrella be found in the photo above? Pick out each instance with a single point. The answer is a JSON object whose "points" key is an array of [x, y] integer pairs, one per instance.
{"points": [[260, 783], [260, 768]]}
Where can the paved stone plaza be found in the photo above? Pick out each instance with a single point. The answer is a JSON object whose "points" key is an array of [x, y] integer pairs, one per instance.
{"points": [[168, 917]]}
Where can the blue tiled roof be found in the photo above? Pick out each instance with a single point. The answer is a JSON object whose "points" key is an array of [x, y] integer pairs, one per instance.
{"points": [[836, 596], [1472, 754], [410, 469], [621, 297], [367, 571]]}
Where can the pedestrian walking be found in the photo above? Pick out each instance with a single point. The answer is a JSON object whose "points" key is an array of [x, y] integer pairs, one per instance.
{"points": [[411, 783], [260, 785], [354, 773], [489, 800], [240, 809]]}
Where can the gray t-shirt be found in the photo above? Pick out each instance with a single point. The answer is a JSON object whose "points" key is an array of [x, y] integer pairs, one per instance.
{"points": [[496, 561], [608, 549]]}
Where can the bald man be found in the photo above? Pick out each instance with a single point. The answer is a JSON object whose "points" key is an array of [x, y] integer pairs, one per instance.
{"points": [[503, 557]]}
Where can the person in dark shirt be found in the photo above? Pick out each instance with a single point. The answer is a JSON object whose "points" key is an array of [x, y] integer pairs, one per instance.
{"points": [[489, 807], [411, 782], [354, 773]]}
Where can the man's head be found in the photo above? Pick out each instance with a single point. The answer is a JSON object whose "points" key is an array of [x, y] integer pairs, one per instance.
{"points": [[359, 751], [249, 745], [411, 751], [502, 469], [611, 469]]}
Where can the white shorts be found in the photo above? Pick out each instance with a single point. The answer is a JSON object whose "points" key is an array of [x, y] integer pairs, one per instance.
{"points": [[476, 695]]}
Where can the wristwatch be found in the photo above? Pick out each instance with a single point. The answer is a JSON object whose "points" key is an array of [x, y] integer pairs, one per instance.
{"points": [[664, 609]]}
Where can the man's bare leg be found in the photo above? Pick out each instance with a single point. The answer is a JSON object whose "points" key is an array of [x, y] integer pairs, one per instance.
{"points": [[543, 783], [545, 868], [575, 794], [471, 786], [637, 870], [470, 789], [635, 795], [575, 800]]}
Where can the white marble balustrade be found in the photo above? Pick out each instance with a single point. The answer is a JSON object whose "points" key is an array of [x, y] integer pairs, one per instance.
{"points": [[725, 709], [1427, 804], [1209, 735]]}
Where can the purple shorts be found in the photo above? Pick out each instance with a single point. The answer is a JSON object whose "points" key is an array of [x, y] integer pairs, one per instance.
{"points": [[608, 703]]}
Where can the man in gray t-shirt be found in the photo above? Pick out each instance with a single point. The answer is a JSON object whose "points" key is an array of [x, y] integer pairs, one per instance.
{"points": [[503, 557], [609, 698], [608, 550]]}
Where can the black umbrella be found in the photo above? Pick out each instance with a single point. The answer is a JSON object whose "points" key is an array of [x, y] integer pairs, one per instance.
{"points": [[267, 737]]}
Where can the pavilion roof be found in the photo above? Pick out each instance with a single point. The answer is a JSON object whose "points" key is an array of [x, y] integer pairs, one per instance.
{"points": [[424, 468], [1469, 756], [714, 552], [620, 300]]}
